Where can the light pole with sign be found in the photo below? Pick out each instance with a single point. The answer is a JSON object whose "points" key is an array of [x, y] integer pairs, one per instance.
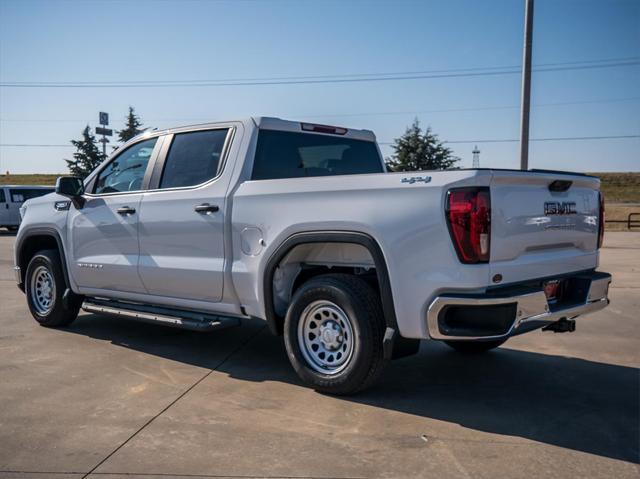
{"points": [[102, 130]]}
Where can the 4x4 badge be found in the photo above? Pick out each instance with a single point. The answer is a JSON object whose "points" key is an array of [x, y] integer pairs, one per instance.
{"points": [[415, 179]]}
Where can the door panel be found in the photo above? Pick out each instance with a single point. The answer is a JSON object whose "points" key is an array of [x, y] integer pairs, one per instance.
{"points": [[181, 250], [181, 226], [4, 207], [104, 243], [104, 232], [14, 202]]}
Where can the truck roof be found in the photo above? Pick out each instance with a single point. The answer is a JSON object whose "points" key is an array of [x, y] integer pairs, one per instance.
{"points": [[272, 123]]}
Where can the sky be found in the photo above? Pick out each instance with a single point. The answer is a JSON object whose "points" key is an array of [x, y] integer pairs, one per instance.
{"points": [[467, 54]]}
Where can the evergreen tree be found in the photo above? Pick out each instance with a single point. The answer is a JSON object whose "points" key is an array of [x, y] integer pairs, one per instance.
{"points": [[132, 128], [416, 151], [87, 156]]}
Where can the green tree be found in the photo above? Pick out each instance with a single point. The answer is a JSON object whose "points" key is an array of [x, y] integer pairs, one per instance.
{"points": [[417, 150], [132, 127], [87, 156]]}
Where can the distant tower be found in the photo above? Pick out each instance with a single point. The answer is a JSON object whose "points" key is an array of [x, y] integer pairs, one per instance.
{"points": [[476, 157]]}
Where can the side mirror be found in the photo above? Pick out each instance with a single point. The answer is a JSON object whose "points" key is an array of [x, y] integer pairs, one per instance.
{"points": [[73, 188]]}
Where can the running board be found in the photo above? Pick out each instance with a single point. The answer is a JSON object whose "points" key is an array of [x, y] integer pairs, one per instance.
{"points": [[190, 320]]}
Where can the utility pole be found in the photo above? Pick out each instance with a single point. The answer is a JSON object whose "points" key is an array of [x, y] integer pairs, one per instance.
{"points": [[526, 85]]}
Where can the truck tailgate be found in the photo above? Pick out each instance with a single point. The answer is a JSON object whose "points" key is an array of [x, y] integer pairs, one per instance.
{"points": [[537, 232]]}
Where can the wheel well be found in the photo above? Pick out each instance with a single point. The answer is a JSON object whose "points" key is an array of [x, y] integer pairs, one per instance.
{"points": [[306, 255], [309, 272], [34, 243]]}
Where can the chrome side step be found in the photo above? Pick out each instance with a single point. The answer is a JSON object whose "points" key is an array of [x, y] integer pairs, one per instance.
{"points": [[158, 315]]}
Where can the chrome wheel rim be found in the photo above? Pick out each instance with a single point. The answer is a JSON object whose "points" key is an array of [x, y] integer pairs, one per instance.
{"points": [[43, 290], [325, 335]]}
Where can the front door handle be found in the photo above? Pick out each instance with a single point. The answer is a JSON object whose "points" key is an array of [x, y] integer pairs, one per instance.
{"points": [[126, 210], [206, 208]]}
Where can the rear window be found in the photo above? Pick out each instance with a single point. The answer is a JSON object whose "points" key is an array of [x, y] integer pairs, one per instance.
{"points": [[20, 195], [284, 154], [194, 158]]}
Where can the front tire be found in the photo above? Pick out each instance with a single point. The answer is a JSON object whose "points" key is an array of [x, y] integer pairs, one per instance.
{"points": [[333, 334], [475, 347], [44, 287]]}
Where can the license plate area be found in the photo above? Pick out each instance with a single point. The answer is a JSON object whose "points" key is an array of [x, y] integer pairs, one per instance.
{"points": [[567, 292]]}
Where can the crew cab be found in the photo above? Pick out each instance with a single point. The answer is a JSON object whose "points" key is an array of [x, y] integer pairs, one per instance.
{"points": [[301, 225]]}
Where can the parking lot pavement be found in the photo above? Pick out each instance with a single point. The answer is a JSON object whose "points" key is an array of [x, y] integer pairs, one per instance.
{"points": [[118, 399]]}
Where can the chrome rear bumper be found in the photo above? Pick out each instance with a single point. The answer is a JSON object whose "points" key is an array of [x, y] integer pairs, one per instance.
{"points": [[531, 311]]}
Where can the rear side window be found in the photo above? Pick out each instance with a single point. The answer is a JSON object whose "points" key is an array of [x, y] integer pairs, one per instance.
{"points": [[2, 197], [284, 154], [193, 158], [20, 195]]}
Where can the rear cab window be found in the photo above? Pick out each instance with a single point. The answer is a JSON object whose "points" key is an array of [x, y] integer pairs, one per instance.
{"points": [[194, 158], [285, 154]]}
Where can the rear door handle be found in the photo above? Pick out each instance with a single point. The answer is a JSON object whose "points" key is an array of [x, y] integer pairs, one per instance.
{"points": [[206, 208], [126, 210]]}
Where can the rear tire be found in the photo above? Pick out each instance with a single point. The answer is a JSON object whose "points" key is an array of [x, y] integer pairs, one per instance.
{"points": [[475, 347], [333, 334], [44, 286]]}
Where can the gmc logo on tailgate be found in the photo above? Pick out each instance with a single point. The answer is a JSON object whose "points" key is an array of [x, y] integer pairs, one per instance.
{"points": [[559, 208]]}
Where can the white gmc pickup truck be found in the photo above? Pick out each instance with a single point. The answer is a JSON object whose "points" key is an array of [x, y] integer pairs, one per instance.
{"points": [[300, 225]]}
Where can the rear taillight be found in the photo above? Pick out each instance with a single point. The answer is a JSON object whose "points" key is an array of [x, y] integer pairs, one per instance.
{"points": [[468, 214], [601, 221]]}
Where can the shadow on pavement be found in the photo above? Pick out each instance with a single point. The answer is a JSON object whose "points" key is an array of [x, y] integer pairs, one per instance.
{"points": [[572, 403]]}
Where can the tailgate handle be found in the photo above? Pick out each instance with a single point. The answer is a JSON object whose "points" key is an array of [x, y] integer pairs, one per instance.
{"points": [[560, 185]]}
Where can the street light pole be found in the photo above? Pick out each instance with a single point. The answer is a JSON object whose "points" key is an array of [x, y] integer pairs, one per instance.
{"points": [[526, 85]]}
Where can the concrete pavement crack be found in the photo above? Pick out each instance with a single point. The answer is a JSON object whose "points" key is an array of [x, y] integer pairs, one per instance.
{"points": [[180, 396]]}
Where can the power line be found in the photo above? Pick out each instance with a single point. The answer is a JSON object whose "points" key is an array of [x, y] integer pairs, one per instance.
{"points": [[484, 108], [515, 140], [508, 140], [350, 78], [335, 76], [340, 115]]}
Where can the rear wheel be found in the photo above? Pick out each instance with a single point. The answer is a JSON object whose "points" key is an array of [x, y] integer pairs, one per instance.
{"points": [[475, 347], [333, 334], [44, 287]]}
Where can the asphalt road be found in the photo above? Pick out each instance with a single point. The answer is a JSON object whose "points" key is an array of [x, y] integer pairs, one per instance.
{"points": [[108, 398]]}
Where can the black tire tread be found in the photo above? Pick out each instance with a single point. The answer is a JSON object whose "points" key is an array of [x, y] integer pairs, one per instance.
{"points": [[60, 316], [368, 300]]}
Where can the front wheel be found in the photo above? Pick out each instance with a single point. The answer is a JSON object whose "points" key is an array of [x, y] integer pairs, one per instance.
{"points": [[475, 347], [44, 287], [333, 334]]}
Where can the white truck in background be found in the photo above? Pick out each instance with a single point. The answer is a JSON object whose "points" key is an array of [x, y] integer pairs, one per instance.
{"points": [[300, 225]]}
